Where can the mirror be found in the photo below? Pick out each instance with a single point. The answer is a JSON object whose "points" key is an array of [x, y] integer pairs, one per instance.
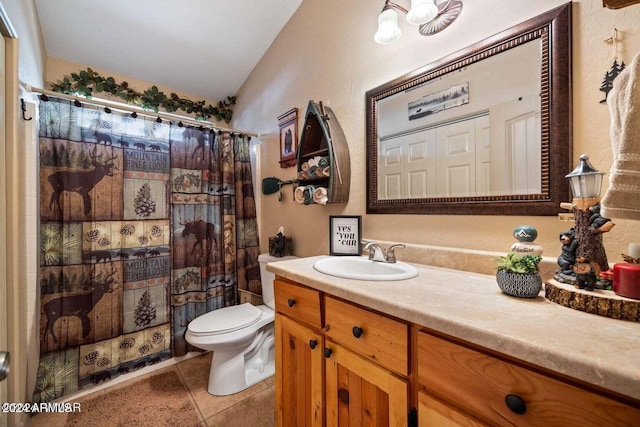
{"points": [[485, 130]]}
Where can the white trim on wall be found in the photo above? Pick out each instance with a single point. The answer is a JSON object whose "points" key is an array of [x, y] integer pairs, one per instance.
{"points": [[12, 236], [3, 235]]}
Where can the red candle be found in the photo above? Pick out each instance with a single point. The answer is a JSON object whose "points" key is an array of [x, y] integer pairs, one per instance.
{"points": [[626, 280]]}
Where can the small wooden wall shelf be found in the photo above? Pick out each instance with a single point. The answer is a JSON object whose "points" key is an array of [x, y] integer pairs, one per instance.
{"points": [[602, 303], [618, 4], [322, 136]]}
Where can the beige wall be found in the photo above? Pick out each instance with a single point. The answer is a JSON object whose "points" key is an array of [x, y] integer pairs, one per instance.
{"points": [[24, 19], [326, 52]]}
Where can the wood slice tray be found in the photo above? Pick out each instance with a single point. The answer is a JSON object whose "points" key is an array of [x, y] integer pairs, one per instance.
{"points": [[602, 303]]}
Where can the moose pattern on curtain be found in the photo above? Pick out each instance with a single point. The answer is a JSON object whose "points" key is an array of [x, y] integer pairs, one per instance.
{"points": [[215, 241], [106, 279]]}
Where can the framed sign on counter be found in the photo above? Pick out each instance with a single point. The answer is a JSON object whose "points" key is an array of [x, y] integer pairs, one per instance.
{"points": [[344, 235]]}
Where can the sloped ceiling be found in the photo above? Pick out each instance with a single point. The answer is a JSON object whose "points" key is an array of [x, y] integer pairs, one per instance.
{"points": [[200, 47]]}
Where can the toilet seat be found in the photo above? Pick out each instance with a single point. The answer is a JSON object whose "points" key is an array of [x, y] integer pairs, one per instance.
{"points": [[225, 320]]}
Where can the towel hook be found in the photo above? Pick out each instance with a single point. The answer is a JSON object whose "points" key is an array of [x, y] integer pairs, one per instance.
{"points": [[614, 41], [24, 110]]}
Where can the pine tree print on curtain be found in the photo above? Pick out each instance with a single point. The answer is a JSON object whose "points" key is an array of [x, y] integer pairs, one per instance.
{"points": [[105, 238], [215, 241]]}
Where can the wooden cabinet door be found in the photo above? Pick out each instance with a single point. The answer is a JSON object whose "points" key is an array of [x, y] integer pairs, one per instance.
{"points": [[299, 374], [360, 393]]}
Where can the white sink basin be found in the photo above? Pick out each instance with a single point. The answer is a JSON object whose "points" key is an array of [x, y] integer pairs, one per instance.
{"points": [[361, 268]]}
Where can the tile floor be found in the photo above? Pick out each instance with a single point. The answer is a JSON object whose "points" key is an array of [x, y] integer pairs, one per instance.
{"points": [[254, 406]]}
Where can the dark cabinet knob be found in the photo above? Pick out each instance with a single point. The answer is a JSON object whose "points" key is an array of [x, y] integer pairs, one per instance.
{"points": [[313, 344], [291, 302], [516, 404], [357, 331], [328, 352]]}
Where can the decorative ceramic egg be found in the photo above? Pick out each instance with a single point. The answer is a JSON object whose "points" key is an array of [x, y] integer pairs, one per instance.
{"points": [[525, 233]]}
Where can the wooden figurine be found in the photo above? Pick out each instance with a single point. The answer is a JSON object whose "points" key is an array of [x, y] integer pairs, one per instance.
{"points": [[588, 231]]}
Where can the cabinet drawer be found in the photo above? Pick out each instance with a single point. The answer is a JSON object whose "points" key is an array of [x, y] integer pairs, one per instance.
{"points": [[382, 339], [479, 383], [298, 302], [433, 412]]}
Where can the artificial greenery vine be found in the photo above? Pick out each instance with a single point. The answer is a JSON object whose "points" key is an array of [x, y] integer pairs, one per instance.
{"points": [[87, 81]]}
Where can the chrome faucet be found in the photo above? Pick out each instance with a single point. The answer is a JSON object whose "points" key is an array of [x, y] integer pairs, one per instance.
{"points": [[377, 252], [391, 254]]}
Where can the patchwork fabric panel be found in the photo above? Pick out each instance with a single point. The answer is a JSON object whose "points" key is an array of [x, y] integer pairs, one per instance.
{"points": [[144, 226]]}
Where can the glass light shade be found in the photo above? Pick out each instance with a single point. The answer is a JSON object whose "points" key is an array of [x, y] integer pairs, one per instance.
{"points": [[585, 180], [421, 12], [388, 30], [586, 186]]}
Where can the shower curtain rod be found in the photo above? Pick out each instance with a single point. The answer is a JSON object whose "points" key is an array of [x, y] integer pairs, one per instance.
{"points": [[132, 109]]}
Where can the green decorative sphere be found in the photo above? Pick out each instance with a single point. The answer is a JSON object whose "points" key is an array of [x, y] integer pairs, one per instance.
{"points": [[525, 233]]}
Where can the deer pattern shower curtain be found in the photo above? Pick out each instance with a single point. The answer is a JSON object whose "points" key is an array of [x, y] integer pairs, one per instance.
{"points": [[139, 234]]}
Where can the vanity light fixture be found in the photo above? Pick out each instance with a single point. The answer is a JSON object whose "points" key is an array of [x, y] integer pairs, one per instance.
{"points": [[432, 16], [422, 11]]}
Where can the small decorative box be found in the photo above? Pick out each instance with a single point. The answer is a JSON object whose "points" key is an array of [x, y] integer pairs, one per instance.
{"points": [[280, 246]]}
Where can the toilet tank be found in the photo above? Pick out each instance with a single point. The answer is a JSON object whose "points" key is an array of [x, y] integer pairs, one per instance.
{"points": [[268, 277]]}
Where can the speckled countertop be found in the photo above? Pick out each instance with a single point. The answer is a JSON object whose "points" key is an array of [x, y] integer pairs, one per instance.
{"points": [[470, 306]]}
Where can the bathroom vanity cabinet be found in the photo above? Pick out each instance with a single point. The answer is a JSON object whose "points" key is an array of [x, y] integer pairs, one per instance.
{"points": [[339, 363], [460, 385]]}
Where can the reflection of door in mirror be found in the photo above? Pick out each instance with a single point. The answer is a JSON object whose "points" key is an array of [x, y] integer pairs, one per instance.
{"points": [[515, 142], [473, 132]]}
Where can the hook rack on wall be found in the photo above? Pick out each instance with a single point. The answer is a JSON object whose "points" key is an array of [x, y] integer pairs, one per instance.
{"points": [[273, 184]]}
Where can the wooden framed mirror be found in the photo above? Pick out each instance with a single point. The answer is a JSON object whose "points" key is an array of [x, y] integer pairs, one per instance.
{"points": [[485, 130]]}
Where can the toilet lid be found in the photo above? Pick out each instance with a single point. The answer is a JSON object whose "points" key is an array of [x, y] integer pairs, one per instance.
{"points": [[225, 319]]}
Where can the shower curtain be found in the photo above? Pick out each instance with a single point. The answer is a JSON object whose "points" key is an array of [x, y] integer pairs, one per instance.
{"points": [[144, 226], [215, 236]]}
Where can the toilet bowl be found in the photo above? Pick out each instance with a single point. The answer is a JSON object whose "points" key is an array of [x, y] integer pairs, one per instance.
{"points": [[241, 338]]}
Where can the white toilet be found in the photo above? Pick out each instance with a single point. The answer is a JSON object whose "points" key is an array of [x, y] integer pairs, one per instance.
{"points": [[241, 338]]}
